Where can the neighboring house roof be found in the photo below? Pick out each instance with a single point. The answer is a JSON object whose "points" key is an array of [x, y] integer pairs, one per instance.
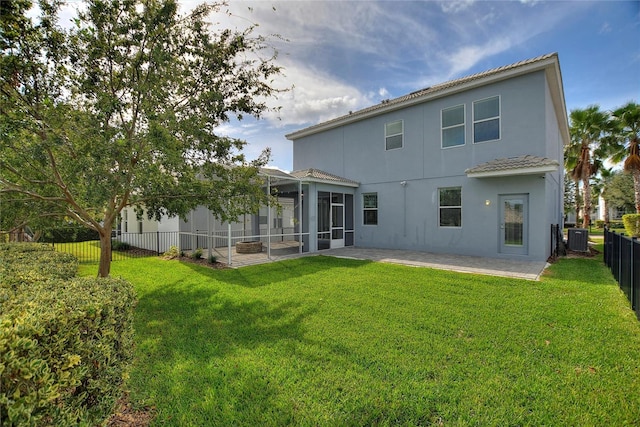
{"points": [[549, 63], [317, 175], [275, 173], [521, 165], [309, 175]]}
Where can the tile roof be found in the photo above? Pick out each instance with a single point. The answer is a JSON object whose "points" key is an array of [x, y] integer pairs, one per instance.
{"points": [[319, 175], [276, 173], [521, 165], [432, 91]]}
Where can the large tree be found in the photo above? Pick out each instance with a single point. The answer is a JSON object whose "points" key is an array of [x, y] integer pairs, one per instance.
{"points": [[588, 127], [123, 109], [626, 143]]}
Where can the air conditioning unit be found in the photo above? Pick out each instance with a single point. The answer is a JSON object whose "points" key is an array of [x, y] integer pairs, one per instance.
{"points": [[578, 239]]}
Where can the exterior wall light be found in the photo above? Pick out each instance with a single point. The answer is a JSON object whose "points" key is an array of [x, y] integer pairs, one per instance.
{"points": [[487, 202]]}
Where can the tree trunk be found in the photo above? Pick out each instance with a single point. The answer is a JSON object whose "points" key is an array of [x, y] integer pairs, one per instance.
{"points": [[636, 188], [577, 202], [586, 195], [105, 252], [606, 212]]}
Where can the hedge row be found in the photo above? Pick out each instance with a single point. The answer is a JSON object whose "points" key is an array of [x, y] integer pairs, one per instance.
{"points": [[612, 224], [631, 224], [66, 343]]}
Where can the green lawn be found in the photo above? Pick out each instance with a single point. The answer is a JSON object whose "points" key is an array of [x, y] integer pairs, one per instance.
{"points": [[320, 341]]}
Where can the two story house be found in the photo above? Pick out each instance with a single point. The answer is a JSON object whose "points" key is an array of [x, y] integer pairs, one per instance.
{"points": [[471, 166]]}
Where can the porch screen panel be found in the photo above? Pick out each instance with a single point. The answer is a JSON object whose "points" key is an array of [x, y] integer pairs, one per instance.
{"points": [[348, 220], [324, 219]]}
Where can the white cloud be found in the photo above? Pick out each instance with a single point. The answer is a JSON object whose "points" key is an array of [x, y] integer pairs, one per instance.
{"points": [[606, 28], [466, 57], [455, 6], [316, 96]]}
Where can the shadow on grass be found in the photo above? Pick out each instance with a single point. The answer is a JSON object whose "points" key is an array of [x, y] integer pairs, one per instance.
{"points": [[194, 354], [265, 274]]}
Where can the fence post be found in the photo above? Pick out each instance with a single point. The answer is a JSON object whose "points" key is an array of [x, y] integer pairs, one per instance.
{"points": [[158, 242], [633, 284], [606, 243]]}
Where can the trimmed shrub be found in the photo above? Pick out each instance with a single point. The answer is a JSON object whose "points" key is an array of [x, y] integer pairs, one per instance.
{"points": [[65, 346], [213, 259], [172, 252], [29, 263], [631, 224], [70, 234], [118, 245], [616, 224], [197, 254]]}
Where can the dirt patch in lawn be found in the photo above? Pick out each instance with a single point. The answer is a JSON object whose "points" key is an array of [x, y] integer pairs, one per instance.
{"points": [[200, 261], [126, 416]]}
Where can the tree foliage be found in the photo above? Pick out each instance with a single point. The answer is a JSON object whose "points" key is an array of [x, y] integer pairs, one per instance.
{"points": [[588, 127], [625, 143], [619, 192], [124, 108]]}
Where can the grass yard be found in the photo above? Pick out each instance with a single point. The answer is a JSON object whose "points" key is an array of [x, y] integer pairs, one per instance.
{"points": [[321, 341]]}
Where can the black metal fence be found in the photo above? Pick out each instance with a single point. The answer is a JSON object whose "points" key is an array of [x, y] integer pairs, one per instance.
{"points": [[622, 256], [557, 242], [85, 244]]}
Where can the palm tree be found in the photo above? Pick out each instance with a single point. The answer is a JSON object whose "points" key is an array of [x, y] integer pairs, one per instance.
{"points": [[588, 127], [571, 155], [626, 144]]}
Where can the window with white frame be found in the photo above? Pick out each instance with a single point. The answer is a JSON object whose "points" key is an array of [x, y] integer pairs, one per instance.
{"points": [[450, 206], [452, 126], [486, 119], [393, 135], [370, 208]]}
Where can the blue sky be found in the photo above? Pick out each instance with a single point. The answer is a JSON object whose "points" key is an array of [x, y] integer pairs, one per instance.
{"points": [[341, 56], [347, 55]]}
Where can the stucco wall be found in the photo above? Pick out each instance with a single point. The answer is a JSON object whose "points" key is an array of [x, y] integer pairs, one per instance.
{"points": [[357, 151], [408, 216]]}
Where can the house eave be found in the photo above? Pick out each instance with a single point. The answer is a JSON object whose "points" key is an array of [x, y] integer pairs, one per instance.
{"points": [[513, 172], [329, 182]]}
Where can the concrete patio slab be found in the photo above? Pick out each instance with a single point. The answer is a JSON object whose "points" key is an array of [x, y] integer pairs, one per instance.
{"points": [[465, 264]]}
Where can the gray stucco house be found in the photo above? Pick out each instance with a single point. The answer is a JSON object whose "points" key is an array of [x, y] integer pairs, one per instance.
{"points": [[471, 166]]}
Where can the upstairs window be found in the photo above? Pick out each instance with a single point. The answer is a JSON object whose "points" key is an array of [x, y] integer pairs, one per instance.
{"points": [[370, 208], [393, 135], [453, 126], [486, 119], [450, 207]]}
